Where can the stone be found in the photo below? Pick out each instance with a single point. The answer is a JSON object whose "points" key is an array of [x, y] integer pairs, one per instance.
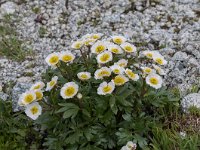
{"points": [[192, 99], [18, 89], [8, 8], [181, 56], [3, 96]]}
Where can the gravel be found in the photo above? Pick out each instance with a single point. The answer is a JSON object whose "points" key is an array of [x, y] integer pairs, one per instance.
{"points": [[171, 26]]}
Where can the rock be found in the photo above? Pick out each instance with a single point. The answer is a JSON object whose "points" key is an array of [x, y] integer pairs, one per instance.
{"points": [[190, 100], [18, 89], [8, 8], [3, 96], [181, 56]]}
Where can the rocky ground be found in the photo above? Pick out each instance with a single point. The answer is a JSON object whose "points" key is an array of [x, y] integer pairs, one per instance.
{"points": [[171, 26]]}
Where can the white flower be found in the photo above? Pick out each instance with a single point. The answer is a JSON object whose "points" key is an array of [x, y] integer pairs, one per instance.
{"points": [[84, 75], [154, 81], [27, 98], [122, 62], [96, 36], [131, 146], [39, 94], [37, 86], [105, 88], [127, 47], [125, 148], [132, 75], [69, 90], [88, 42], [52, 59], [98, 47], [33, 110], [147, 70], [104, 57], [66, 56], [77, 44], [114, 48], [118, 39], [150, 54], [86, 36], [116, 69], [102, 72], [52, 83], [120, 80], [159, 59], [159, 70], [79, 95]]}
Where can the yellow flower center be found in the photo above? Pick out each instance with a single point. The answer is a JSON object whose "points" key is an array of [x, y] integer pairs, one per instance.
{"points": [[159, 61], [104, 73], [117, 71], [122, 64], [95, 36], [29, 98], [78, 45], [39, 95], [107, 89], [54, 60], [100, 48], [37, 87], [105, 57], [131, 74], [89, 41], [115, 50], [119, 80], [153, 81], [34, 110], [147, 70], [83, 76], [69, 91], [118, 40], [67, 58], [128, 48], [149, 55], [52, 83]]}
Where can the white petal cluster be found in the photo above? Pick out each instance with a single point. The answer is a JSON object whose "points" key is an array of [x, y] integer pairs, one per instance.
{"points": [[52, 83], [106, 88], [69, 90]]}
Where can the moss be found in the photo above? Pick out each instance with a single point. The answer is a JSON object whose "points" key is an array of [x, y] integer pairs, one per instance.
{"points": [[42, 31], [36, 10], [11, 45]]}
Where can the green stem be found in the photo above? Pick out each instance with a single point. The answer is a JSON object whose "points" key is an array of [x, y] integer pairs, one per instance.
{"points": [[143, 90], [62, 73], [84, 58]]}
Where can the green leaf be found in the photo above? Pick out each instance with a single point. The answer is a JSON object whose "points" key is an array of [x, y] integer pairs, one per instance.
{"points": [[70, 113], [69, 109], [113, 105], [86, 113]]}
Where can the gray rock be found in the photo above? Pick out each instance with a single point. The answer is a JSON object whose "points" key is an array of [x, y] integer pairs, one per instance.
{"points": [[190, 100], [8, 8], [3, 96], [18, 89], [181, 56]]}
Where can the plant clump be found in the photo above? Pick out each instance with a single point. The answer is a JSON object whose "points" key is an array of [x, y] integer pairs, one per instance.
{"points": [[100, 94]]}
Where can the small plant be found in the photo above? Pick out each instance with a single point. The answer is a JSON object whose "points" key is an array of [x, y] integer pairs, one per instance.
{"points": [[42, 31], [36, 10], [100, 95], [194, 111], [11, 45], [167, 139], [16, 130]]}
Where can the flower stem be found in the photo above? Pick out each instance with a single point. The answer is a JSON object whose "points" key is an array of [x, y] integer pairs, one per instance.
{"points": [[84, 58]]}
